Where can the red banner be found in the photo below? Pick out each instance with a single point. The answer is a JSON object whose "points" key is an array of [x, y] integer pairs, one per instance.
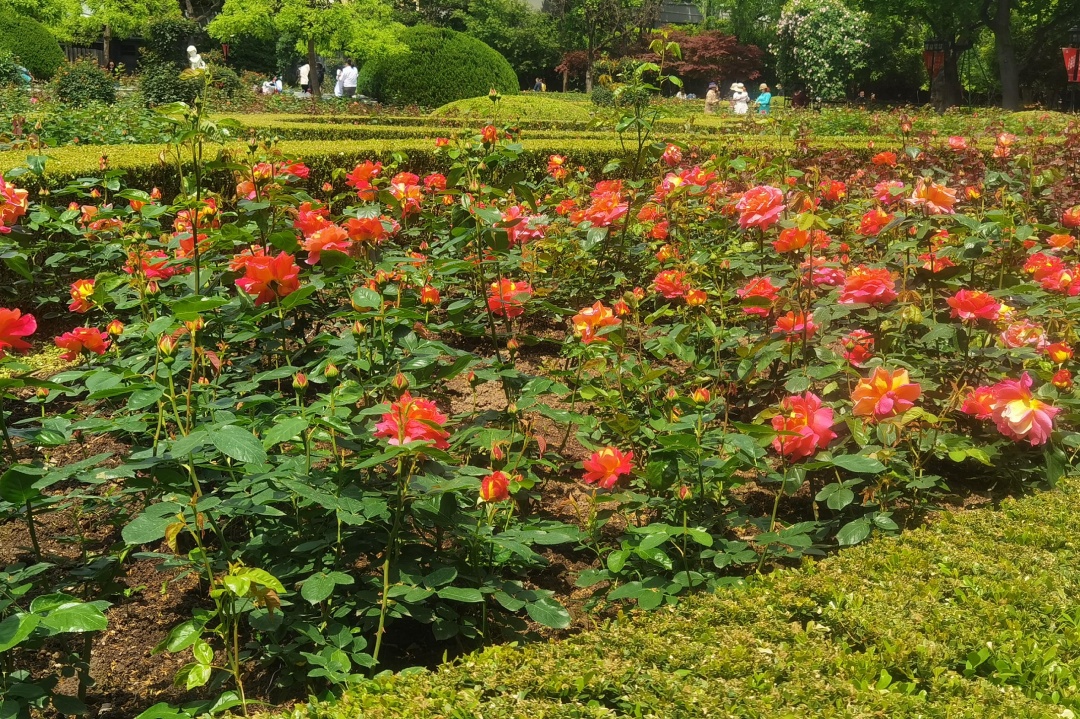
{"points": [[934, 61], [1072, 55]]}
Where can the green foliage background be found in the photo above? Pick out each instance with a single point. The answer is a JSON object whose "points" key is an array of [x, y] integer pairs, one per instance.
{"points": [[31, 42]]}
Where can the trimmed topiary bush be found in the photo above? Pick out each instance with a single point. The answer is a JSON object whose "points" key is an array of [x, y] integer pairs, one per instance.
{"points": [[31, 43], [83, 82], [440, 66]]}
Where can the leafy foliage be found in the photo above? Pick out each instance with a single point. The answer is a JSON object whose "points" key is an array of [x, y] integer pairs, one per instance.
{"points": [[989, 629], [9, 70], [525, 37], [84, 82], [714, 56], [31, 43], [364, 406], [821, 45], [439, 66]]}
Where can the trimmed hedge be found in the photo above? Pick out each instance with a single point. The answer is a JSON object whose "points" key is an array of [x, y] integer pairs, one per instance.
{"points": [[439, 66], [974, 616], [548, 106], [142, 166], [29, 41]]}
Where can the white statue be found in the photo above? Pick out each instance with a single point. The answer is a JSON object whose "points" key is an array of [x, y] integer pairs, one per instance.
{"points": [[195, 59]]}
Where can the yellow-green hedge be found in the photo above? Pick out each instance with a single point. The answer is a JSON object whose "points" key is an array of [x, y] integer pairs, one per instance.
{"points": [[973, 617], [143, 167]]}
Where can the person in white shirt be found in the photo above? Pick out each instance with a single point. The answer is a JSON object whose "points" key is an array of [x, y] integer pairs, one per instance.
{"points": [[305, 72], [338, 87], [349, 75]]}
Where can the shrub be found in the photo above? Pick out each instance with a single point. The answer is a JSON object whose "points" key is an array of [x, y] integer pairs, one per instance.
{"points": [[224, 80], [602, 96], [83, 82], [160, 83], [167, 39], [440, 66], [9, 69], [31, 43]]}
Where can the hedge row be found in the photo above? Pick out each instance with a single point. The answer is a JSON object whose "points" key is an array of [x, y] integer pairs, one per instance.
{"points": [[975, 616], [144, 166], [300, 130], [266, 120]]}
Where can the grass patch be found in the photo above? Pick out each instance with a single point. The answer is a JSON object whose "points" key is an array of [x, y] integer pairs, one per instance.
{"points": [[973, 617]]}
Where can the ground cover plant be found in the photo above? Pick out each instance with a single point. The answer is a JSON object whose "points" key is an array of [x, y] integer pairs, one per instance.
{"points": [[362, 418]]}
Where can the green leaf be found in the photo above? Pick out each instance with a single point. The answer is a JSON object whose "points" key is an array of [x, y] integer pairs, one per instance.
{"points": [[239, 444], [146, 529], [189, 308], [853, 532], [461, 594], [616, 560], [440, 576], [143, 398], [202, 652], [17, 485], [549, 613], [364, 298], [162, 710], [193, 675], [858, 463], [260, 576], [317, 588], [76, 617], [284, 431], [15, 628], [181, 636]]}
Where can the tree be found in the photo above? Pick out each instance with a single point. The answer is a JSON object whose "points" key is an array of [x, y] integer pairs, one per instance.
{"points": [[526, 38], [957, 22], [712, 56], [602, 26], [820, 44], [362, 27], [85, 21]]}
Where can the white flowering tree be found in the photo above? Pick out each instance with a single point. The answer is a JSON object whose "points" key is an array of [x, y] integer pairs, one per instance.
{"points": [[821, 45]]}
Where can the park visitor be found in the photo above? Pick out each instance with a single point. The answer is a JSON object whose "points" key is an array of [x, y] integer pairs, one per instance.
{"points": [[764, 100], [348, 78], [303, 74], [712, 99], [339, 89], [740, 100]]}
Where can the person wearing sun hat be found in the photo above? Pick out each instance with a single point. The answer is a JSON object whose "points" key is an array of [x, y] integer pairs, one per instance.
{"points": [[712, 99], [740, 101], [764, 100]]}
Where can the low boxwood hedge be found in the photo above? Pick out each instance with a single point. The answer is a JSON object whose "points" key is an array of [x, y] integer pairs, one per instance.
{"points": [[974, 616], [142, 165]]}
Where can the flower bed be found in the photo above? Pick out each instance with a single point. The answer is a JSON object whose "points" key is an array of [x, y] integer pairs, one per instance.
{"points": [[373, 415]]}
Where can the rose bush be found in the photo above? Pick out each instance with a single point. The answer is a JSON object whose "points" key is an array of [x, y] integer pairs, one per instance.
{"points": [[392, 401]]}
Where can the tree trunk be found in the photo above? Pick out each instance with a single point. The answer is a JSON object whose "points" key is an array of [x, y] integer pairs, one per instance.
{"points": [[588, 79], [948, 92], [313, 71], [106, 44], [1008, 68], [565, 80]]}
